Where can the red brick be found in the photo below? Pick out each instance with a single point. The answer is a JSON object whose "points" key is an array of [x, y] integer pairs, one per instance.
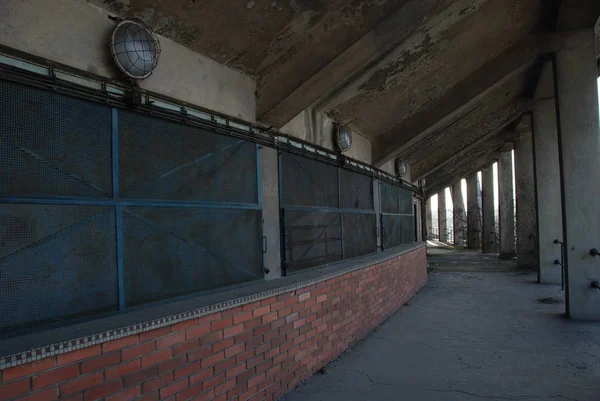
{"points": [[200, 353], [245, 356], [13, 389], [172, 364], [156, 357], [207, 396], [291, 318], [233, 372], [254, 361], [251, 305], [236, 349], [157, 383], [177, 327], [201, 376], [54, 376], [197, 331], [260, 330], [256, 379], [173, 388], [251, 324], [211, 338], [137, 351], [233, 330], [186, 346], [96, 364], [284, 312], [122, 370], [299, 323], [148, 397], [221, 345], [28, 369], [152, 334], [245, 396], [79, 354], [242, 317], [213, 360], [76, 397], [189, 392], [237, 390], [261, 311], [209, 318], [140, 376], [126, 395], [102, 391], [271, 317], [254, 342], [221, 324], [82, 383], [44, 395], [223, 366], [224, 387], [244, 336], [213, 382], [120, 343], [187, 370], [170, 340], [231, 311]]}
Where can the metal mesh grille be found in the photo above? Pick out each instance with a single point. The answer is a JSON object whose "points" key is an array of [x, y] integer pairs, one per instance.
{"points": [[397, 230], [312, 239], [186, 163], [308, 182], [360, 237], [56, 262], [389, 198], [406, 201], [356, 190], [51, 144], [176, 251]]}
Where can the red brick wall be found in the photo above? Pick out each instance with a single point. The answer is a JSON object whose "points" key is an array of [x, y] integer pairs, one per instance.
{"points": [[257, 351]]}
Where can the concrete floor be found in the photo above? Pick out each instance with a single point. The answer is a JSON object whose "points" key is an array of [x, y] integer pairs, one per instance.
{"points": [[470, 336]]}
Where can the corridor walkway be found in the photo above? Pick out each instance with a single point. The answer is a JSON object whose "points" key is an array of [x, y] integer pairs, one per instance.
{"points": [[470, 335]]}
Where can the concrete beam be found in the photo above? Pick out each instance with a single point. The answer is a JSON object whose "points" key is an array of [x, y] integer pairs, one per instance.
{"points": [[490, 129], [349, 64], [460, 100], [437, 182], [578, 14]]}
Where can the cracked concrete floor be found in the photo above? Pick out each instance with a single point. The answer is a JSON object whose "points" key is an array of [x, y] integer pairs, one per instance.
{"points": [[469, 336]]}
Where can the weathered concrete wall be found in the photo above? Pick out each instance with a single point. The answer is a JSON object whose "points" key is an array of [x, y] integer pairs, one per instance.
{"points": [[526, 209], [459, 215], [317, 128], [75, 32], [473, 212], [429, 219], [506, 206], [489, 219], [442, 216]]}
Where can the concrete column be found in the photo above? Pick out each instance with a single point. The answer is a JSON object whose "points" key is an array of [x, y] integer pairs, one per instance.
{"points": [[489, 220], [473, 213], [377, 203], [506, 206], [549, 198], [458, 214], [270, 202], [526, 209], [579, 138], [442, 216], [429, 219]]}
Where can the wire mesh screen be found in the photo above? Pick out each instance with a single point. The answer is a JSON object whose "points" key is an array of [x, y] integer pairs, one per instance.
{"points": [[389, 198], [360, 234], [312, 239], [356, 191], [56, 262], [176, 251], [51, 144], [187, 163], [405, 198], [308, 182], [397, 230]]}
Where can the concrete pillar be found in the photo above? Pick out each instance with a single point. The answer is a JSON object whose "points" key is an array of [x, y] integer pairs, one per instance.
{"points": [[579, 138], [458, 214], [489, 220], [507, 206], [429, 219], [526, 209], [270, 203], [549, 198], [442, 216], [473, 213]]}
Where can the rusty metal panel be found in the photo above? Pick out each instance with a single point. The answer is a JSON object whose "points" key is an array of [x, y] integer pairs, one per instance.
{"points": [[56, 262], [170, 252], [308, 182], [312, 239], [53, 145], [161, 159]]}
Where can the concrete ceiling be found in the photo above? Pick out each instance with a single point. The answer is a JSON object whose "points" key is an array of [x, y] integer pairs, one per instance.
{"points": [[436, 82]]}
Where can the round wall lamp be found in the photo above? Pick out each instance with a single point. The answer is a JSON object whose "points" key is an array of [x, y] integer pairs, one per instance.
{"points": [[135, 48], [343, 138], [401, 168]]}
